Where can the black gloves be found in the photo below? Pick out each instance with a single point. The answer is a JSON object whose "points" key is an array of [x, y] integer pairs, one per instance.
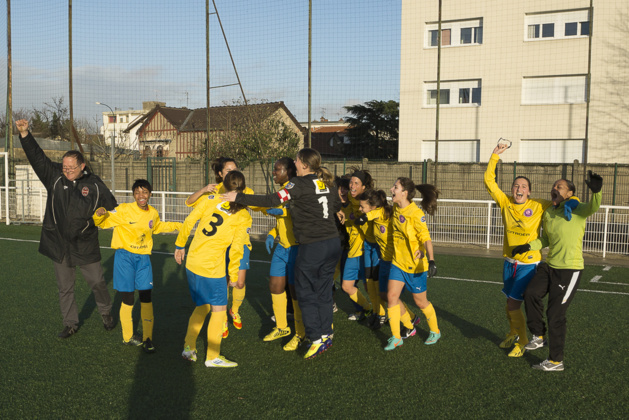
{"points": [[432, 268], [594, 181], [520, 249], [361, 220]]}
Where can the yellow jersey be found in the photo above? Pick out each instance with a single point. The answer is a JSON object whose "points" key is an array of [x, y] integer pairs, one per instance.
{"points": [[410, 232], [355, 233], [134, 227], [218, 230], [521, 222], [284, 225], [383, 231], [367, 228]]}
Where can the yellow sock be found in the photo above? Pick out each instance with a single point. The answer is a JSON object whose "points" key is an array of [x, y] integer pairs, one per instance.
{"points": [[279, 310], [383, 308], [406, 320], [239, 297], [195, 323], [146, 311], [512, 330], [360, 299], [215, 334], [374, 295], [519, 324], [300, 330], [394, 320], [431, 318], [410, 313], [126, 321]]}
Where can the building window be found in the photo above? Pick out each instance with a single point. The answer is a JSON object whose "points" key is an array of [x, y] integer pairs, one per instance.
{"points": [[549, 151], [455, 33], [544, 26], [469, 93], [554, 90], [452, 150], [112, 119]]}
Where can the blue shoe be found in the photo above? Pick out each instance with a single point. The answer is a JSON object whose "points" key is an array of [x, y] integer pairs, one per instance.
{"points": [[432, 338], [393, 343]]}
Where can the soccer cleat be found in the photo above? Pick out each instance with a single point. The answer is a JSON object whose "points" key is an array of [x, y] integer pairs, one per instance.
{"points": [[508, 341], [356, 316], [277, 333], [220, 362], [535, 343], [433, 337], [518, 350], [549, 366], [148, 346], [108, 322], [67, 332], [294, 343], [406, 333], [318, 346], [334, 307], [225, 330], [393, 343], [133, 341], [236, 319], [189, 354], [416, 320]]}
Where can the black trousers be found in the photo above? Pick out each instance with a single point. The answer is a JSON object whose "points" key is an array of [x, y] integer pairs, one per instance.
{"points": [[560, 286], [314, 277]]}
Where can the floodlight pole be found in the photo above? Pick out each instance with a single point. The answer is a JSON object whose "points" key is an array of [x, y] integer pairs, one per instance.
{"points": [[113, 150]]}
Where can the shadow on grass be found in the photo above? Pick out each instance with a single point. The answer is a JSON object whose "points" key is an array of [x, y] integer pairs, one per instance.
{"points": [[468, 329]]}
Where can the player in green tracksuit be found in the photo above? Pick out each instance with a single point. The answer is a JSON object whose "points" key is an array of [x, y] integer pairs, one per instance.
{"points": [[559, 275]]}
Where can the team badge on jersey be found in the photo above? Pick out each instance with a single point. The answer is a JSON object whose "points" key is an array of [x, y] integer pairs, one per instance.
{"points": [[528, 212], [290, 185], [150, 224], [402, 219], [423, 219], [320, 187], [382, 229], [283, 194], [85, 191], [248, 230], [211, 197], [224, 207]]}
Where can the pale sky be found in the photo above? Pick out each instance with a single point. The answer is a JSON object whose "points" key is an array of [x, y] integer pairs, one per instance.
{"points": [[129, 51]]}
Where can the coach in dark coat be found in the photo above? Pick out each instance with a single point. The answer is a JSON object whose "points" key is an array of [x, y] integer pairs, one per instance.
{"points": [[69, 237]]}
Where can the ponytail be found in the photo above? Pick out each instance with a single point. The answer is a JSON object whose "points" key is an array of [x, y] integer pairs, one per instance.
{"points": [[429, 194], [378, 199]]}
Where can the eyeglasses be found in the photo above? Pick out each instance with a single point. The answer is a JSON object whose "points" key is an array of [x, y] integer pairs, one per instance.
{"points": [[68, 169]]}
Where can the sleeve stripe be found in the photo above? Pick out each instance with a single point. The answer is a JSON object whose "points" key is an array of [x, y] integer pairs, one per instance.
{"points": [[283, 195]]}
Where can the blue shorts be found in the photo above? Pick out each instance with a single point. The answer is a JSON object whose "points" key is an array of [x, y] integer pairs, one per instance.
{"points": [[371, 254], [414, 282], [283, 262], [244, 262], [354, 269], [383, 274], [205, 290], [516, 276], [132, 271]]}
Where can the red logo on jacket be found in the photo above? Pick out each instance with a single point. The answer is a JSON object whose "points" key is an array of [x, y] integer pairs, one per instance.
{"points": [[85, 191]]}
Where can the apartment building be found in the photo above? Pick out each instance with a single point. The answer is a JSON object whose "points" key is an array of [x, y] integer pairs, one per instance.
{"points": [[516, 70]]}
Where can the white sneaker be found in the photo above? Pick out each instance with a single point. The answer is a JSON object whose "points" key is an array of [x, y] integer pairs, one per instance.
{"points": [[535, 343], [220, 362], [549, 366]]}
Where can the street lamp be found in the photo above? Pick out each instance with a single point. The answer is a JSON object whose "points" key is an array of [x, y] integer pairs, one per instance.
{"points": [[113, 150]]}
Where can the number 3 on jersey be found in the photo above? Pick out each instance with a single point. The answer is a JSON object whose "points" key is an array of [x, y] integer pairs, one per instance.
{"points": [[214, 225], [324, 203]]}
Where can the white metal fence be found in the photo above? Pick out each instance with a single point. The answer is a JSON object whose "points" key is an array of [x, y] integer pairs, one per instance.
{"points": [[465, 222]]}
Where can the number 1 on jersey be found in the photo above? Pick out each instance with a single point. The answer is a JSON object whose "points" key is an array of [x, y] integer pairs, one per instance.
{"points": [[324, 203]]}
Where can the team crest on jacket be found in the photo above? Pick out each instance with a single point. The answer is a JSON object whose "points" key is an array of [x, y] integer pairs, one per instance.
{"points": [[321, 188], [402, 219], [150, 224], [210, 197], [528, 212], [85, 191], [289, 185], [382, 229], [423, 219]]}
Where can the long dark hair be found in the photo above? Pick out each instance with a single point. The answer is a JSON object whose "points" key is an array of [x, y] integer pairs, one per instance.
{"points": [[377, 198], [289, 164], [218, 165], [365, 177], [235, 181], [429, 194]]}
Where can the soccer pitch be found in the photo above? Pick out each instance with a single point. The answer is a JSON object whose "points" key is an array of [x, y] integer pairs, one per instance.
{"points": [[466, 375]]}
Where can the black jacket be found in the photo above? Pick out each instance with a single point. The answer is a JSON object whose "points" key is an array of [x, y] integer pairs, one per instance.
{"points": [[313, 207], [68, 230]]}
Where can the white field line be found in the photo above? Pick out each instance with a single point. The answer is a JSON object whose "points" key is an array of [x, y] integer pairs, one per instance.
{"points": [[594, 280]]}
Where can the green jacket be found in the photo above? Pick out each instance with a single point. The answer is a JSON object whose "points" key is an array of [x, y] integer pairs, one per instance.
{"points": [[565, 238]]}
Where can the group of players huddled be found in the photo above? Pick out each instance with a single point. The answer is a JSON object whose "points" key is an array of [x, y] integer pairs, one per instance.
{"points": [[328, 227]]}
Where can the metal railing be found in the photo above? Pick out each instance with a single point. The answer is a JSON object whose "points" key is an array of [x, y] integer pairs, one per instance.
{"points": [[463, 222]]}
